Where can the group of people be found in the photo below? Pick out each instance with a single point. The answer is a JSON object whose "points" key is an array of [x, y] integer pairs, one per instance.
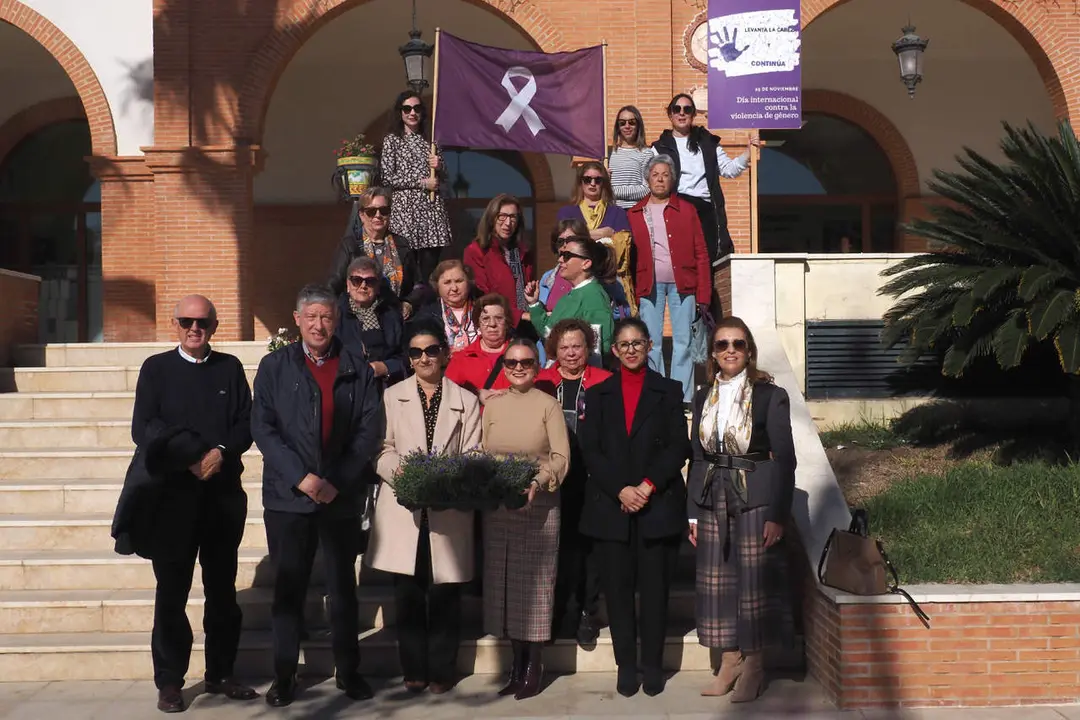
{"points": [[403, 350]]}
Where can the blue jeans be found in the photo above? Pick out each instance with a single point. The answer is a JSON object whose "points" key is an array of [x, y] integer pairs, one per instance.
{"points": [[682, 315]]}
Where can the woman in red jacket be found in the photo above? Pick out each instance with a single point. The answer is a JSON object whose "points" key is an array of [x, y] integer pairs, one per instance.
{"points": [[500, 261], [478, 367], [672, 269]]}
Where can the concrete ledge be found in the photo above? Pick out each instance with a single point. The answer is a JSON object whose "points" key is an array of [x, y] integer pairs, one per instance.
{"points": [[942, 593]]}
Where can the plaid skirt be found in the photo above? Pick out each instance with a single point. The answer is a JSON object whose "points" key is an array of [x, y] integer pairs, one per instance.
{"points": [[521, 551], [742, 588]]}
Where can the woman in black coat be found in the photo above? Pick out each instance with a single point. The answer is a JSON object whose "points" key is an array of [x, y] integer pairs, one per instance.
{"points": [[635, 445], [741, 481], [369, 322]]}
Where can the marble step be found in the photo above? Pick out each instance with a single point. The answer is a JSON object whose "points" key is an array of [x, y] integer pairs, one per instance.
{"points": [[65, 405], [122, 611], [88, 495], [83, 463], [120, 354], [89, 531], [108, 378], [126, 656], [90, 434]]}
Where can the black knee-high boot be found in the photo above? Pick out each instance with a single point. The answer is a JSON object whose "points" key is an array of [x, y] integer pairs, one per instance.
{"points": [[517, 668], [534, 671]]}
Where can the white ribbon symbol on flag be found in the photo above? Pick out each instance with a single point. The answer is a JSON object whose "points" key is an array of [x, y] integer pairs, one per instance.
{"points": [[519, 101]]}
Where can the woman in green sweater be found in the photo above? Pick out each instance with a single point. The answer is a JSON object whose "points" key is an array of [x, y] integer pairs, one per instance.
{"points": [[579, 260]]}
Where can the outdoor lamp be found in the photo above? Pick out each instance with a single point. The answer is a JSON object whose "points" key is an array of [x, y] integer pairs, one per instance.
{"points": [[414, 53], [909, 51]]}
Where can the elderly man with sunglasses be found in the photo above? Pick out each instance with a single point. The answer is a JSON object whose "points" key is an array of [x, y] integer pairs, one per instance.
{"points": [[192, 407]]}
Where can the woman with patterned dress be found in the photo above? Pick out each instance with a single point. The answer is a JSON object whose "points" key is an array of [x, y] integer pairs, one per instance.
{"points": [[418, 211]]}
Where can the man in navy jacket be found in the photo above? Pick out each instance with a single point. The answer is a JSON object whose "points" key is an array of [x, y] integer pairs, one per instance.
{"points": [[317, 418]]}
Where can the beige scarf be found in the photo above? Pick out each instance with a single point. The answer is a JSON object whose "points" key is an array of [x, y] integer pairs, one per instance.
{"points": [[727, 420]]}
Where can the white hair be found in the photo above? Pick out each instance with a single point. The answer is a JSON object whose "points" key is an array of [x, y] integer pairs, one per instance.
{"points": [[315, 294], [661, 160]]}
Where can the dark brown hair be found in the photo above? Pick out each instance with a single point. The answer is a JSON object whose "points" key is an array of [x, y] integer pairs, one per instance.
{"points": [[486, 228], [753, 374], [446, 265], [603, 260], [397, 122], [606, 193], [487, 301], [574, 224], [639, 139], [569, 325]]}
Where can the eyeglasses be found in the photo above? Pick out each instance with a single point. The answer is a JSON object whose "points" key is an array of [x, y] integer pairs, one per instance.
{"points": [[683, 110], [722, 345], [566, 256], [626, 345], [358, 280], [524, 364], [383, 210], [506, 217], [408, 109], [201, 323], [626, 123], [592, 180], [432, 351]]}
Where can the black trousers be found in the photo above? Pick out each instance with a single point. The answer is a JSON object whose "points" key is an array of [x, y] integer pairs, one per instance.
{"points": [[647, 566], [717, 239], [293, 539], [577, 582], [428, 620], [213, 537], [426, 260]]}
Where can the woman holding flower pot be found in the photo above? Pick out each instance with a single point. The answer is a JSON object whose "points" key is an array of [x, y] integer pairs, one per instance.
{"points": [[521, 546], [408, 157], [430, 553]]}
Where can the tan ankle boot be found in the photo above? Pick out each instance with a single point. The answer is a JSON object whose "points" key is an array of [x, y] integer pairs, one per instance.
{"points": [[731, 667], [752, 680]]}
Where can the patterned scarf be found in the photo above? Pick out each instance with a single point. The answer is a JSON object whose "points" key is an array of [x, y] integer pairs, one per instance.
{"points": [[387, 255], [726, 427], [513, 259], [459, 334], [593, 215], [368, 316]]}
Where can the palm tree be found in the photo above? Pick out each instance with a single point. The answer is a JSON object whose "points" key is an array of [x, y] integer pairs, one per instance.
{"points": [[1004, 268]]}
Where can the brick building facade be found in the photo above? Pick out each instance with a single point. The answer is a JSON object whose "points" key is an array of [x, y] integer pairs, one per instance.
{"points": [[196, 119]]}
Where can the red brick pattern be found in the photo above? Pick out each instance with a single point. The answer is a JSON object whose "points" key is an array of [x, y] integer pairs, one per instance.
{"points": [[975, 654], [19, 321]]}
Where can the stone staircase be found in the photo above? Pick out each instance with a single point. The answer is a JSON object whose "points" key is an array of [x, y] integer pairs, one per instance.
{"points": [[71, 609]]}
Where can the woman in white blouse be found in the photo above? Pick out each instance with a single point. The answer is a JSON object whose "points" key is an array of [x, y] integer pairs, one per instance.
{"points": [[700, 162]]}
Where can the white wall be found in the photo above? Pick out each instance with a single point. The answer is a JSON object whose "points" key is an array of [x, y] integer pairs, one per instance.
{"points": [[976, 75], [28, 74], [117, 39]]}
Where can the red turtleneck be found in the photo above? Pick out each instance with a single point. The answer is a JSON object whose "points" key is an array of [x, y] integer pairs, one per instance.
{"points": [[632, 383]]}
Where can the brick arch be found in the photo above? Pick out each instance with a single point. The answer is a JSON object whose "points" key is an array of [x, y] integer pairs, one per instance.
{"points": [[94, 103], [306, 18], [1032, 25], [536, 163], [879, 127], [36, 117]]}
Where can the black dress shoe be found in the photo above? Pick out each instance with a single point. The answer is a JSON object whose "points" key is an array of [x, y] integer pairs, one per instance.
{"points": [[588, 630], [355, 687], [282, 692], [230, 689], [627, 683], [169, 700], [653, 682]]}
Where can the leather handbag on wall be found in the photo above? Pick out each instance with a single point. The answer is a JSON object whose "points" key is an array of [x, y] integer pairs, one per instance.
{"points": [[856, 563]]}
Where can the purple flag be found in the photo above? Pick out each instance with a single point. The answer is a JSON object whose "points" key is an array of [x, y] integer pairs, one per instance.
{"points": [[495, 99], [755, 76]]}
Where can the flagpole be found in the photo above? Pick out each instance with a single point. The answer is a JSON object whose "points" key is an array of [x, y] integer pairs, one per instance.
{"points": [[434, 103], [603, 59], [754, 153]]}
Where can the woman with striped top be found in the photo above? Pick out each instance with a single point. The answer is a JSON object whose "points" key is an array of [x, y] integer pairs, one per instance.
{"points": [[630, 154]]}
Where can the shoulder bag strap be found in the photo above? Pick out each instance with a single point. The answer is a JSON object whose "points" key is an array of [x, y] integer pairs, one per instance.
{"points": [[494, 373], [897, 590], [824, 554]]}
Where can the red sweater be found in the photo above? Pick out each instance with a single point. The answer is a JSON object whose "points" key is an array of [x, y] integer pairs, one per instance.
{"points": [[632, 381], [324, 377]]}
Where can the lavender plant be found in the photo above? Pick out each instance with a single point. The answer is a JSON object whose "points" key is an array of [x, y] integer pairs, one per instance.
{"points": [[473, 481]]}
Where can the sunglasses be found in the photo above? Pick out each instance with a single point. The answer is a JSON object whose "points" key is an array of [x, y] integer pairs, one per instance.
{"points": [[722, 345], [432, 351], [407, 109], [358, 280], [201, 323], [567, 256], [525, 364], [626, 123], [383, 210], [592, 180], [631, 345], [683, 110]]}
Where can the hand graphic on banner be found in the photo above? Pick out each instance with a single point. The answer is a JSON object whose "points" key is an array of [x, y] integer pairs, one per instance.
{"points": [[728, 47]]}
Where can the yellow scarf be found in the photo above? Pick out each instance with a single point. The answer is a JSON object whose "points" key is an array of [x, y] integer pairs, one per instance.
{"points": [[593, 215]]}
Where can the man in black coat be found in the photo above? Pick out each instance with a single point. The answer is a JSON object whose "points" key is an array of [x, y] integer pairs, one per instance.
{"points": [[194, 403], [317, 418]]}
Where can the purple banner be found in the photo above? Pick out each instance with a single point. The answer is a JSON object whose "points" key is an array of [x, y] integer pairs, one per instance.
{"points": [[495, 99], [755, 74]]}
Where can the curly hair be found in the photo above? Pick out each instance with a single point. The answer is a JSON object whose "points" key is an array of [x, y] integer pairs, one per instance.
{"points": [[569, 325]]}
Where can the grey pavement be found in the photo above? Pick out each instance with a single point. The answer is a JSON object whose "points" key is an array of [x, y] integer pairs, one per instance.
{"points": [[571, 697]]}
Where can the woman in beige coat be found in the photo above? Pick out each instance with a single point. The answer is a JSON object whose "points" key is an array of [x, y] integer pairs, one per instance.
{"points": [[521, 547], [430, 554]]}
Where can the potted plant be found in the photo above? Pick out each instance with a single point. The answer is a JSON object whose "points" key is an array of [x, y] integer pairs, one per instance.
{"points": [[357, 162], [473, 481]]}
